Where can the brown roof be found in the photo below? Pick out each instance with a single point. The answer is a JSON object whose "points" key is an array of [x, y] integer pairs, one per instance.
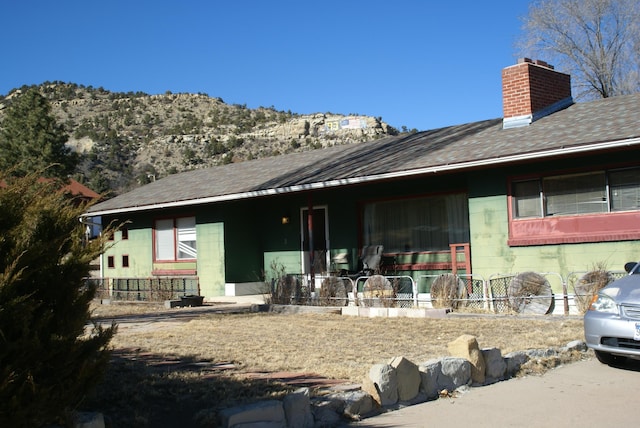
{"points": [[73, 187], [590, 126], [77, 189]]}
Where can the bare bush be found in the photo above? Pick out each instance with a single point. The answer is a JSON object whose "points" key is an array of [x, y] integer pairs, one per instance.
{"points": [[588, 286], [447, 291], [530, 292]]}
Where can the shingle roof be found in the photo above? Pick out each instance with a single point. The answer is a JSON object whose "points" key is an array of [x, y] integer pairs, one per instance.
{"points": [[580, 126]]}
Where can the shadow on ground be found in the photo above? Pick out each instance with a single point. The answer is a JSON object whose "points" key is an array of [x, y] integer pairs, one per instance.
{"points": [[150, 390]]}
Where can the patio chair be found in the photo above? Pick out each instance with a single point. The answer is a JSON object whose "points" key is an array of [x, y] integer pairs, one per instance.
{"points": [[368, 262]]}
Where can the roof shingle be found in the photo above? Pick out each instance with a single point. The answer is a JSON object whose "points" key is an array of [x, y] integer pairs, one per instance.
{"points": [[581, 124]]}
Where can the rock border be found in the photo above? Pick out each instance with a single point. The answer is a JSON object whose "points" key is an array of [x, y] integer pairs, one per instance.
{"points": [[393, 385]]}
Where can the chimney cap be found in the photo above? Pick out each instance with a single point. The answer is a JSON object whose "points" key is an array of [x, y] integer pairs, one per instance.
{"points": [[536, 62]]}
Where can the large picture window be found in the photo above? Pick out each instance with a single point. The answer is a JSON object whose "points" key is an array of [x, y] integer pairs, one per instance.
{"points": [[575, 194], [417, 224], [175, 239]]}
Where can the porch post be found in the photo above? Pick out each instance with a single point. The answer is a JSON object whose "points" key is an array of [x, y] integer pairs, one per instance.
{"points": [[312, 286]]}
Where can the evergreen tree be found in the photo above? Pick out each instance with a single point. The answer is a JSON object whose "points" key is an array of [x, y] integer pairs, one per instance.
{"points": [[31, 139], [49, 359]]}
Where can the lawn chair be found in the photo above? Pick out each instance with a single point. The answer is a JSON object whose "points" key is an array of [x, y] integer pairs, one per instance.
{"points": [[368, 262]]}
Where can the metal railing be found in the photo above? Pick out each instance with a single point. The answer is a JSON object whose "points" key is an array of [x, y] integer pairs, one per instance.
{"points": [[568, 295]]}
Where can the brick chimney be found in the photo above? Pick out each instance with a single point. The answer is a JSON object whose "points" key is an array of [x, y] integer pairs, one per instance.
{"points": [[531, 90]]}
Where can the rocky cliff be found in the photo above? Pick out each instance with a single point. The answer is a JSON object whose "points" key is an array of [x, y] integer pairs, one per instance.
{"points": [[128, 139]]}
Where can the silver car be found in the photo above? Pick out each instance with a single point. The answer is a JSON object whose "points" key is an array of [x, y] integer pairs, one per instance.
{"points": [[612, 323]]}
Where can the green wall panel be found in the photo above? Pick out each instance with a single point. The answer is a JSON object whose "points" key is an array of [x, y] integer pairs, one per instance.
{"points": [[211, 258], [276, 261], [137, 247], [491, 255]]}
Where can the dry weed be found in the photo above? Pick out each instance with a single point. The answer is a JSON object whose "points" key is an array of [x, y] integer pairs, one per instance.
{"points": [[203, 362]]}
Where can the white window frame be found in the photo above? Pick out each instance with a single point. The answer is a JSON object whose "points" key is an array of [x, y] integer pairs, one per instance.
{"points": [[175, 239]]}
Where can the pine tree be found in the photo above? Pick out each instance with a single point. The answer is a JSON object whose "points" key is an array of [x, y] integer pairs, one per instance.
{"points": [[49, 358], [31, 139]]}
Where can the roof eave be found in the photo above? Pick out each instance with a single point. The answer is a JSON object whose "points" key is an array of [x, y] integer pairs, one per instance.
{"points": [[500, 160]]}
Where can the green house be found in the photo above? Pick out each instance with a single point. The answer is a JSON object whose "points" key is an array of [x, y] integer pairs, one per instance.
{"points": [[553, 187]]}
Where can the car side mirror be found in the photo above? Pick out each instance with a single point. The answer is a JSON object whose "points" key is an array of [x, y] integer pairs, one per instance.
{"points": [[629, 267]]}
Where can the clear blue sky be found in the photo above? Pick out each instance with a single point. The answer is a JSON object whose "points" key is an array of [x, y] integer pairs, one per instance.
{"points": [[417, 63]]}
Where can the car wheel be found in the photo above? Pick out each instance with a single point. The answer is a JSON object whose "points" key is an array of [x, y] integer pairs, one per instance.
{"points": [[607, 358]]}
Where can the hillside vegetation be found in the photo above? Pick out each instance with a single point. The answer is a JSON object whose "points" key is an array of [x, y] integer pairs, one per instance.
{"points": [[128, 139]]}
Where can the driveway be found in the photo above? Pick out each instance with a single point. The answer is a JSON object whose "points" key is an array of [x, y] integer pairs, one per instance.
{"points": [[583, 394]]}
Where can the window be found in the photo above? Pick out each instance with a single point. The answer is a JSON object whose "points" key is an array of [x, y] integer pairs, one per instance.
{"points": [[125, 233], [624, 188], [417, 224], [111, 262], [597, 206], [526, 197], [575, 194], [125, 261], [175, 239]]}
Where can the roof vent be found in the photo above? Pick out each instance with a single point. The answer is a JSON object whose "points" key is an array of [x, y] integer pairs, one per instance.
{"points": [[531, 90]]}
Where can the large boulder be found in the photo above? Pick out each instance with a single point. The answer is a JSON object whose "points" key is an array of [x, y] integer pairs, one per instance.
{"points": [[408, 377], [514, 361], [325, 415], [268, 413], [466, 346], [429, 373], [454, 373], [496, 367], [297, 409], [357, 404], [382, 384], [448, 374]]}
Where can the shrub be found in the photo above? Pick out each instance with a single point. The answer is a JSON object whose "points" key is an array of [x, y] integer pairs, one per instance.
{"points": [[49, 358]]}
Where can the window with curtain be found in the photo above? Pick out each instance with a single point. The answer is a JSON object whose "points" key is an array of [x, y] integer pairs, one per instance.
{"points": [[574, 194], [417, 224], [175, 239]]}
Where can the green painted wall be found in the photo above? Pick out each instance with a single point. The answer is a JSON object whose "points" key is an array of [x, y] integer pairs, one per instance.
{"points": [[490, 254], [137, 247], [240, 244], [211, 258]]}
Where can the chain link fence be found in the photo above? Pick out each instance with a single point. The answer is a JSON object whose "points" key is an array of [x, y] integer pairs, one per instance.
{"points": [[527, 292], [144, 289]]}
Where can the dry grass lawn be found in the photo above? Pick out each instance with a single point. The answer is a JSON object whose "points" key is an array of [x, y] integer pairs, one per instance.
{"points": [[201, 363]]}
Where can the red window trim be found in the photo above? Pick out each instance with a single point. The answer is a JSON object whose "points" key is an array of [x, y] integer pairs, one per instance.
{"points": [[570, 229], [609, 227], [173, 272]]}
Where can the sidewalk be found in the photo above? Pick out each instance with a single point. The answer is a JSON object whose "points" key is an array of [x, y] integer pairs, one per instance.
{"points": [[583, 394]]}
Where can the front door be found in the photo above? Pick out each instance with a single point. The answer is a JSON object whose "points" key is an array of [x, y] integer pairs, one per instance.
{"points": [[314, 230]]}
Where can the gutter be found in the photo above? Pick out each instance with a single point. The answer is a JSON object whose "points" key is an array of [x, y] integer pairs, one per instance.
{"points": [[378, 177]]}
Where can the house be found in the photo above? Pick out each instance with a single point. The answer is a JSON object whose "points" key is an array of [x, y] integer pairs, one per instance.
{"points": [[553, 187]]}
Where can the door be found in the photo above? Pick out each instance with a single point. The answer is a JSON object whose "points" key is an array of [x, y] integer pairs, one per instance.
{"points": [[314, 230]]}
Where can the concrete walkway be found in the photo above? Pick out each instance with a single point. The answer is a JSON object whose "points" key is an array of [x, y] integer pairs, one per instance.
{"points": [[583, 394]]}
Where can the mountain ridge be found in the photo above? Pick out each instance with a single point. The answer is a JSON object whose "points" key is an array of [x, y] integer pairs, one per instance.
{"points": [[128, 139]]}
